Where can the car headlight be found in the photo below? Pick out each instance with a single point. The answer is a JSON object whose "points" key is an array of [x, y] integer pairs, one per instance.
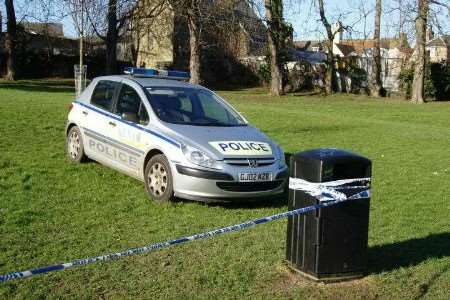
{"points": [[280, 157], [198, 157]]}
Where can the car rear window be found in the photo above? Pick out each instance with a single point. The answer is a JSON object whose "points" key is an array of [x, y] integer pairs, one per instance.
{"points": [[103, 94]]}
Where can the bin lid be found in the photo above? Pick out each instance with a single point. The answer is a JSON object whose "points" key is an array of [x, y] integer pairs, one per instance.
{"points": [[332, 156], [328, 164]]}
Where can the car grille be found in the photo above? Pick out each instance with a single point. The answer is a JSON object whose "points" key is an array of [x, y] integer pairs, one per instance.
{"points": [[244, 162], [249, 186]]}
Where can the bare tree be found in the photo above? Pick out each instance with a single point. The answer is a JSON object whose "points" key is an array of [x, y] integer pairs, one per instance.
{"points": [[78, 13], [417, 94], [200, 16], [10, 43], [329, 77], [110, 26], [146, 16], [193, 14], [44, 12], [119, 21], [376, 84], [77, 9], [112, 36], [275, 36], [363, 14]]}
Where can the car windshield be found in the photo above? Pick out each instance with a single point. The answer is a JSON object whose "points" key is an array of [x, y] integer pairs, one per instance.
{"points": [[192, 106]]}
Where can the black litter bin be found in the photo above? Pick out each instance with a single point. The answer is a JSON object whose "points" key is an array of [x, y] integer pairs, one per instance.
{"points": [[329, 244]]}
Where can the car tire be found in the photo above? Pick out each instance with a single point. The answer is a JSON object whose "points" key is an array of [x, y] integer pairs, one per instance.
{"points": [[158, 179], [74, 145]]}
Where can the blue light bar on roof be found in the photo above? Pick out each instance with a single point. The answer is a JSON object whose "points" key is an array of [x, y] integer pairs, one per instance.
{"points": [[154, 73]]}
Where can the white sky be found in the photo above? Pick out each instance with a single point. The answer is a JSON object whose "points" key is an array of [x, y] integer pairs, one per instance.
{"points": [[302, 14]]}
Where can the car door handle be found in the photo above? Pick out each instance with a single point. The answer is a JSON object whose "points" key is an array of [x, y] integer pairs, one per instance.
{"points": [[112, 123], [85, 112]]}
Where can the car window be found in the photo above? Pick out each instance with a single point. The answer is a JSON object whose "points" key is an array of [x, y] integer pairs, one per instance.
{"points": [[191, 106], [213, 109], [103, 94], [130, 106], [186, 104]]}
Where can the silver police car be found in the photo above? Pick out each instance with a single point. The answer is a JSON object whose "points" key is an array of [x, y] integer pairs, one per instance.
{"points": [[182, 140]]}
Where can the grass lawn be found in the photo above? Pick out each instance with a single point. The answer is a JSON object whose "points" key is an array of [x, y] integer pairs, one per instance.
{"points": [[52, 211]]}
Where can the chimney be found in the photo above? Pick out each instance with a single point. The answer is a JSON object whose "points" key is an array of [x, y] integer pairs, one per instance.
{"points": [[336, 28], [308, 43], [429, 34]]}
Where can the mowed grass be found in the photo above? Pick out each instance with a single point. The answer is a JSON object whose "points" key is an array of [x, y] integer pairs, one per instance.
{"points": [[52, 211]]}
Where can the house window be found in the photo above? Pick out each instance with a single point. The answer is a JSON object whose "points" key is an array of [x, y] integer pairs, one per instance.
{"points": [[432, 52]]}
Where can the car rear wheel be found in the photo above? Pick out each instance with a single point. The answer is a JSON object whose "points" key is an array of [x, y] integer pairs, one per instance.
{"points": [[158, 179], [74, 145]]}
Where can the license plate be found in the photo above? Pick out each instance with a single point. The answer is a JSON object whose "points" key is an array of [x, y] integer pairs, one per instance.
{"points": [[254, 177]]}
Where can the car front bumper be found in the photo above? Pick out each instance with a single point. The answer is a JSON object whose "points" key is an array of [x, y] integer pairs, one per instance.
{"points": [[223, 186]]}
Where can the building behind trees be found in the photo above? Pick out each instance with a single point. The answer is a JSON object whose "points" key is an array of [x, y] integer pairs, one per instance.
{"points": [[229, 33]]}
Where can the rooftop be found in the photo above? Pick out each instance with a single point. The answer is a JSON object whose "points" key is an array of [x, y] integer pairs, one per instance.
{"points": [[357, 46], [441, 41], [51, 29]]}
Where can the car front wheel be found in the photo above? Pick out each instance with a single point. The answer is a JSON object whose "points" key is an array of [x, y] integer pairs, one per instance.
{"points": [[158, 179]]}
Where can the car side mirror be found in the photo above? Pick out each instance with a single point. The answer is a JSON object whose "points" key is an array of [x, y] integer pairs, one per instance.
{"points": [[131, 117]]}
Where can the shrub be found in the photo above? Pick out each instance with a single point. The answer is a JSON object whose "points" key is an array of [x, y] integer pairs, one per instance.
{"points": [[406, 78], [440, 78], [264, 73], [357, 76], [436, 85]]}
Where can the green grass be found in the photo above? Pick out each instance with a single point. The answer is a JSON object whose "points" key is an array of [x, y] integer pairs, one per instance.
{"points": [[52, 211]]}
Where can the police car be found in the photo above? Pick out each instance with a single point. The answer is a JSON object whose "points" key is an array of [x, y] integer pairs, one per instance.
{"points": [[182, 140]]}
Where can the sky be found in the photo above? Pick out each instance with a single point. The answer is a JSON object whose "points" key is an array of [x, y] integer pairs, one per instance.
{"points": [[357, 15]]}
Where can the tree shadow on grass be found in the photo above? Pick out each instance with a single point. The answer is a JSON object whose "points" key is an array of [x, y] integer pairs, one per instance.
{"points": [[412, 252], [46, 86], [268, 202], [308, 94]]}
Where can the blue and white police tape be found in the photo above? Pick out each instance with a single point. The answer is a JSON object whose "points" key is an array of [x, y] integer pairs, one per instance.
{"points": [[294, 183], [331, 190]]}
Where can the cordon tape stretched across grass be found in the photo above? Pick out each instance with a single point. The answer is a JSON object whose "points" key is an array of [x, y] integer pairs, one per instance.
{"points": [[328, 193]]}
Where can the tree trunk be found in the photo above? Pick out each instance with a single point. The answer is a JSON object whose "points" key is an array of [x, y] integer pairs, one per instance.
{"points": [[274, 18], [417, 93], [194, 45], [111, 38], [135, 47], [376, 85], [10, 43], [329, 77]]}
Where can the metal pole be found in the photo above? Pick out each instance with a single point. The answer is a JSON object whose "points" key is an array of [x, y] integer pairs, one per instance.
{"points": [[81, 34], [81, 47]]}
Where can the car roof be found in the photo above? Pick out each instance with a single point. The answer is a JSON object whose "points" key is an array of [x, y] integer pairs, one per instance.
{"points": [[152, 82]]}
